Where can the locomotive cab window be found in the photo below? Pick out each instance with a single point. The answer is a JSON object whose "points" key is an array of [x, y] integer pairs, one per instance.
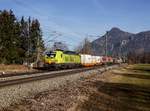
{"points": [[51, 54]]}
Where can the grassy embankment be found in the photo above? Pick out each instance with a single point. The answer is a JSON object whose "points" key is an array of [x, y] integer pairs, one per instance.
{"points": [[13, 68], [126, 89]]}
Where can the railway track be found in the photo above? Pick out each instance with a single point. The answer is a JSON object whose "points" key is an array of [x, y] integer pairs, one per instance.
{"points": [[24, 73], [35, 73], [44, 76]]}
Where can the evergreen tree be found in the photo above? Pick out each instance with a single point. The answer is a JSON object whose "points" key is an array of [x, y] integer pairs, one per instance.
{"points": [[9, 37], [24, 34], [24, 38], [19, 40], [36, 42]]}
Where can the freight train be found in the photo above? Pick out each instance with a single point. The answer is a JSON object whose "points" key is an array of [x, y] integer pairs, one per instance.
{"points": [[70, 59]]}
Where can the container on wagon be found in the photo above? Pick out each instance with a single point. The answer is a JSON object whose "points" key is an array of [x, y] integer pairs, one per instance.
{"points": [[86, 60]]}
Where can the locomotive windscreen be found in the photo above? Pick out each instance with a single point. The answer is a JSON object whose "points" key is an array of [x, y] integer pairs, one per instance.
{"points": [[51, 54]]}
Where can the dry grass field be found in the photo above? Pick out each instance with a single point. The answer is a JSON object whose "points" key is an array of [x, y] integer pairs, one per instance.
{"points": [[13, 69], [126, 89]]}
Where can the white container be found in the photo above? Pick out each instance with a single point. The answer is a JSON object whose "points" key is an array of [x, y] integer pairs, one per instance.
{"points": [[86, 59], [97, 60], [94, 60], [89, 60], [101, 59]]}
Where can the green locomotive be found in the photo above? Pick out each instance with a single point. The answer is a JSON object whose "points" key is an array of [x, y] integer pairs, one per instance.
{"points": [[62, 59]]}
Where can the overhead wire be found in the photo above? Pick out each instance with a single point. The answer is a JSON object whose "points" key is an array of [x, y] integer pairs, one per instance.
{"points": [[77, 36]]}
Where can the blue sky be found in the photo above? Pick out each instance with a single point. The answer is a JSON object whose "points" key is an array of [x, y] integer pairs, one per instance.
{"points": [[75, 19]]}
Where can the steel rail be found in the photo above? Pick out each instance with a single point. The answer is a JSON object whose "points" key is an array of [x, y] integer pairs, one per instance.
{"points": [[32, 73], [42, 77]]}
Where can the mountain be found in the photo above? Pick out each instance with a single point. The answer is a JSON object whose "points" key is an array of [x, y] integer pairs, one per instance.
{"points": [[120, 43], [140, 42]]}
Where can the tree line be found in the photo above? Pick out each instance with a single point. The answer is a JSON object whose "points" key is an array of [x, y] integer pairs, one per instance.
{"points": [[20, 39], [134, 57]]}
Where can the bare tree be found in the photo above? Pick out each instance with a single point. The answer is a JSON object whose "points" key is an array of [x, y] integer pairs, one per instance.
{"points": [[84, 47], [60, 45]]}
